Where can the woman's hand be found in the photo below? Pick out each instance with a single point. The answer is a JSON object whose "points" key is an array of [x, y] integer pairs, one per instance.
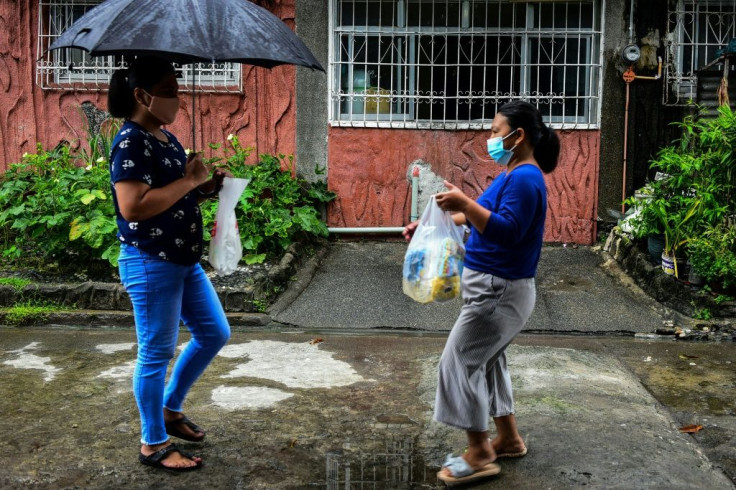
{"points": [[195, 170], [409, 230], [453, 200]]}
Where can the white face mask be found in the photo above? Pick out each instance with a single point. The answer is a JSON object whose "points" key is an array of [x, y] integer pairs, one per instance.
{"points": [[164, 108]]}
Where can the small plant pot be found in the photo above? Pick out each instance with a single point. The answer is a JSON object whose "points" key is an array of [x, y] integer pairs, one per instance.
{"points": [[668, 266], [693, 277], [655, 246]]}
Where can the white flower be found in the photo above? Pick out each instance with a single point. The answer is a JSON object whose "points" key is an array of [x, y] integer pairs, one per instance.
{"points": [[101, 160], [230, 137], [88, 168], [25, 155], [187, 151]]}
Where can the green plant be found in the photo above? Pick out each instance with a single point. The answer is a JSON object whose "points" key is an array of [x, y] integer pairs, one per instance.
{"points": [[696, 185], [722, 298], [16, 283], [702, 314], [261, 305], [713, 256], [49, 201], [55, 205], [276, 208], [28, 312]]}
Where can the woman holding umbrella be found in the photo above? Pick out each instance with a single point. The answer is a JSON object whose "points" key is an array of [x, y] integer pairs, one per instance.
{"points": [[156, 190]]}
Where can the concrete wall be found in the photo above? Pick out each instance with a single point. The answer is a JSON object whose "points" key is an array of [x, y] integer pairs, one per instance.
{"points": [[612, 108], [368, 171], [648, 124], [312, 98]]}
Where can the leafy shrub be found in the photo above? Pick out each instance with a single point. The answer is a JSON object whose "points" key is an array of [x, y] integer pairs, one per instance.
{"points": [[713, 256], [56, 209], [692, 201], [276, 208], [53, 206]]}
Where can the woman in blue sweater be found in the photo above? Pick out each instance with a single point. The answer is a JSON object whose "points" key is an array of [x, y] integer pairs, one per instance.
{"points": [[506, 230]]}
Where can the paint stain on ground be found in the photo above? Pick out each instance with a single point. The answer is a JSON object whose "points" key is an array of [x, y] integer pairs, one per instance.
{"points": [[247, 397], [113, 348], [296, 365], [27, 360]]}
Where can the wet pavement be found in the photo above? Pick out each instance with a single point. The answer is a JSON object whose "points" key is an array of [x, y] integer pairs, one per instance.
{"points": [[337, 409], [337, 391]]}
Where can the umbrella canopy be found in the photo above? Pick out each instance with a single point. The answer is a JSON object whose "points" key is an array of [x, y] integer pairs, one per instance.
{"points": [[188, 31]]}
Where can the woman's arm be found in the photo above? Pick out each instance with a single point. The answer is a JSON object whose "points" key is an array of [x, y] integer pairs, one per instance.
{"points": [[468, 210], [138, 201]]}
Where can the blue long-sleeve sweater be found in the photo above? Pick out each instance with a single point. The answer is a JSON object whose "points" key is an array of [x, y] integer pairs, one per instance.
{"points": [[511, 243]]}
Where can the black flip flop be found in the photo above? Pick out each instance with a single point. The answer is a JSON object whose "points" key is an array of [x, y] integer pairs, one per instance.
{"points": [[172, 429], [156, 459]]}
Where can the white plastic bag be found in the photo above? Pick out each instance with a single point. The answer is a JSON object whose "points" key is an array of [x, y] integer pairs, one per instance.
{"points": [[433, 263], [225, 247]]}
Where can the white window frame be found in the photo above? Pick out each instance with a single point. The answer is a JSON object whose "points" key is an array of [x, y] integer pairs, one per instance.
{"points": [[343, 98], [692, 45], [75, 69]]}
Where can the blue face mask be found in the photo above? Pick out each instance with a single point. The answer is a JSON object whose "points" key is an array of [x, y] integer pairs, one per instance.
{"points": [[496, 150]]}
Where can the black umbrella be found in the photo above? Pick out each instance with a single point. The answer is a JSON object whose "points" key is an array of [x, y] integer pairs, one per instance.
{"points": [[188, 31]]}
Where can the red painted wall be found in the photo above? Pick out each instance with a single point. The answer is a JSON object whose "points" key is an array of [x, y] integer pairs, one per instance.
{"points": [[263, 116], [367, 169]]}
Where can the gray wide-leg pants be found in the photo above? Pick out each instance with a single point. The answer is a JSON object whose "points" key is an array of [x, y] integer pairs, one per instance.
{"points": [[474, 381]]}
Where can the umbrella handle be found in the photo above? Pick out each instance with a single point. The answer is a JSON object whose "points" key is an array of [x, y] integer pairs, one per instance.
{"points": [[194, 133]]}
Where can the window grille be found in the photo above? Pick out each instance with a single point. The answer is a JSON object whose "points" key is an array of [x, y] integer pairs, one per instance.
{"points": [[75, 69], [696, 29], [450, 64]]}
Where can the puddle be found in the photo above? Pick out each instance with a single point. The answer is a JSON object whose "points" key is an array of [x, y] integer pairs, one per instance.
{"points": [[393, 464], [568, 282]]}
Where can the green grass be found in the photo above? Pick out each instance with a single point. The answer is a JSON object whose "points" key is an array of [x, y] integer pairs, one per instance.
{"points": [[15, 282], [28, 313]]}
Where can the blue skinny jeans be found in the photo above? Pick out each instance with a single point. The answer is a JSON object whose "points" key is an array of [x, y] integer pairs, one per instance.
{"points": [[163, 294]]}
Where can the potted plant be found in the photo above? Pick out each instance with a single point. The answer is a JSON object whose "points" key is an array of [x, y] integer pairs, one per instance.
{"points": [[644, 224], [678, 217]]}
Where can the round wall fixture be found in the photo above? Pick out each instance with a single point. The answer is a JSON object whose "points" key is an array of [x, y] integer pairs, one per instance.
{"points": [[631, 53]]}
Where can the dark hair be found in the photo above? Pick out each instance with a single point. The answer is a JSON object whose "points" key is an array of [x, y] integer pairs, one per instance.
{"points": [[143, 72], [546, 144]]}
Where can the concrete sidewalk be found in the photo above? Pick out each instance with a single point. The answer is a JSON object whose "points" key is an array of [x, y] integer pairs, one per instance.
{"points": [[358, 285], [286, 410], [338, 392]]}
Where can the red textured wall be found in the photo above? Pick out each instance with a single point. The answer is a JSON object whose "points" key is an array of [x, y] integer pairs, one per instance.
{"points": [[367, 169], [264, 116]]}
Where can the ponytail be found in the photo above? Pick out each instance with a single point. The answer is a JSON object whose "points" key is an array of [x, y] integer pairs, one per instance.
{"points": [[547, 149], [545, 141]]}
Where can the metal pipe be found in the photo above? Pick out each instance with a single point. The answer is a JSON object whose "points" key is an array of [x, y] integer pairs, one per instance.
{"points": [[657, 76], [387, 229], [631, 22], [626, 137], [367, 230], [414, 193]]}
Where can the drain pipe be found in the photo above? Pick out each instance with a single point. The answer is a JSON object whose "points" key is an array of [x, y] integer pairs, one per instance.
{"points": [[388, 230], [630, 76], [414, 193]]}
